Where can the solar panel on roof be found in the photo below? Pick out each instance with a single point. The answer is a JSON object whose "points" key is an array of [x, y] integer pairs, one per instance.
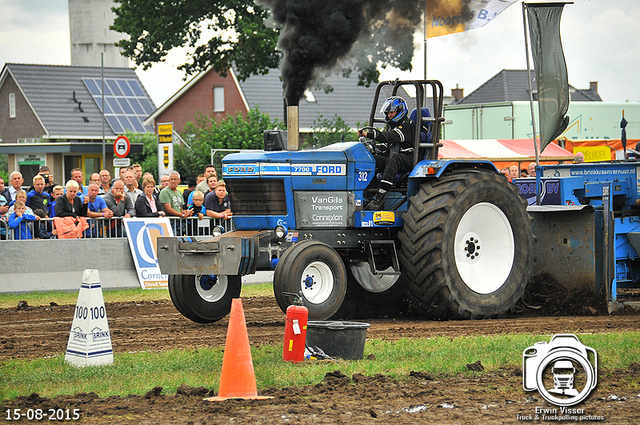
{"points": [[126, 104], [125, 88]]}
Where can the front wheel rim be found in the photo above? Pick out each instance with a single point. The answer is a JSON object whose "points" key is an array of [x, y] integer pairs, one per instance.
{"points": [[484, 248], [317, 282], [211, 288]]}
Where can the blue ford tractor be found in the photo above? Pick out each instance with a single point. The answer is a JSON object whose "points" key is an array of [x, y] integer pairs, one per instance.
{"points": [[454, 238]]}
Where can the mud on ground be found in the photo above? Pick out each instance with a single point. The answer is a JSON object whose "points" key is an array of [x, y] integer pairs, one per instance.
{"points": [[35, 332]]}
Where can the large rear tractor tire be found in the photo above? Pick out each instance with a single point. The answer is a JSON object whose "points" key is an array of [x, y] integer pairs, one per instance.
{"points": [[204, 298], [316, 270], [467, 246]]}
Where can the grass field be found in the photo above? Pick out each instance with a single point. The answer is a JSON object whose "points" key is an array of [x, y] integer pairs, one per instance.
{"points": [[137, 373], [114, 296]]}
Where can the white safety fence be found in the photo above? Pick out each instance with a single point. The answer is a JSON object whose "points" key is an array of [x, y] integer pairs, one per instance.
{"points": [[109, 228]]}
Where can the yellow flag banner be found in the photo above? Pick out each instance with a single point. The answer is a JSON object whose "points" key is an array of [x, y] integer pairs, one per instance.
{"points": [[453, 16]]}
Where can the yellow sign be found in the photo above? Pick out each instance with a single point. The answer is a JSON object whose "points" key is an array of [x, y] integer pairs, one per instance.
{"points": [[165, 156], [594, 153], [165, 129], [384, 217]]}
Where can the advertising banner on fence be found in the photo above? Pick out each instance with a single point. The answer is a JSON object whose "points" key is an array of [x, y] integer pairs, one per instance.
{"points": [[143, 234]]}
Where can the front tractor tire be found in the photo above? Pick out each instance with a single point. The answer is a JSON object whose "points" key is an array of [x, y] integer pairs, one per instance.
{"points": [[467, 246], [316, 270], [204, 298]]}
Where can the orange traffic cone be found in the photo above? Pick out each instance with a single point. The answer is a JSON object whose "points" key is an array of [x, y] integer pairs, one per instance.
{"points": [[237, 379]]}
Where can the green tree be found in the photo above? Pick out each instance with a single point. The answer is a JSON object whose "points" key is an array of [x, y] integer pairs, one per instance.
{"points": [[327, 131], [148, 159], [241, 38], [245, 36], [233, 132]]}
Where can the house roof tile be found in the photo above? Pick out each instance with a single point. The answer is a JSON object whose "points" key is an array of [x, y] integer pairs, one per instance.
{"points": [[49, 89], [511, 85]]}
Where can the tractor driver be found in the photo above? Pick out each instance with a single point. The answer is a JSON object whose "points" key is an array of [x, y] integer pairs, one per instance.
{"points": [[394, 152]]}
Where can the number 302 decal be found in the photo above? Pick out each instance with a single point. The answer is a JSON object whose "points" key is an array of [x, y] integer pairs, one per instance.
{"points": [[363, 176]]}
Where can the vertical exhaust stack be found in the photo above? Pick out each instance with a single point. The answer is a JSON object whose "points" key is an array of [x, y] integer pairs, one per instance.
{"points": [[293, 127]]}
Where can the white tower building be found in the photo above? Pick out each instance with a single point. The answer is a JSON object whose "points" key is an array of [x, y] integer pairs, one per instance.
{"points": [[89, 22]]}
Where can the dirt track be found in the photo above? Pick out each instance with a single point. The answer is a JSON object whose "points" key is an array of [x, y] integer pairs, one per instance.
{"points": [[36, 332]]}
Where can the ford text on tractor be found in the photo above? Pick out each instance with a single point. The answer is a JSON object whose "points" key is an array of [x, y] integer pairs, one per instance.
{"points": [[453, 238]]}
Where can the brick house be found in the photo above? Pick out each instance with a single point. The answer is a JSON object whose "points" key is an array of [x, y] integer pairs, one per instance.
{"points": [[52, 115]]}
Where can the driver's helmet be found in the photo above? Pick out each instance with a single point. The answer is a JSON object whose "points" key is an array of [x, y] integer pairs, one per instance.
{"points": [[397, 104]]}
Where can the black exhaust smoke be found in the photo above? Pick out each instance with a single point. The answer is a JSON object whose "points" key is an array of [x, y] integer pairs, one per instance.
{"points": [[316, 34]]}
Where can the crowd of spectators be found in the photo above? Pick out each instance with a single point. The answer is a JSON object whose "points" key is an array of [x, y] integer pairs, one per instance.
{"points": [[513, 172], [48, 210]]}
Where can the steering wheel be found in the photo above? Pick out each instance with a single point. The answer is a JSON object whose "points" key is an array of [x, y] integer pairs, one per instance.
{"points": [[369, 141]]}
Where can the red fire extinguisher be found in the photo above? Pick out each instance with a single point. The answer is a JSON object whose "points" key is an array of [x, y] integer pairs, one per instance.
{"points": [[295, 331]]}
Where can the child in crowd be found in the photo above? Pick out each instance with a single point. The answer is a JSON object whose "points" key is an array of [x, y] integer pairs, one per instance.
{"points": [[18, 220], [43, 229], [198, 210], [21, 195], [55, 193]]}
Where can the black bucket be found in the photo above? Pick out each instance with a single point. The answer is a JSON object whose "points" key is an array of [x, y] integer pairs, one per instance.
{"points": [[338, 339]]}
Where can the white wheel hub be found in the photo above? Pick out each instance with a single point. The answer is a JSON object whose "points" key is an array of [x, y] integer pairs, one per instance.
{"points": [[316, 282], [211, 288], [484, 248]]}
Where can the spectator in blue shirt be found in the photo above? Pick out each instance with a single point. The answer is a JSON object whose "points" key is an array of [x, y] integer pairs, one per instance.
{"points": [[56, 192], [96, 208], [37, 198], [76, 174], [18, 221]]}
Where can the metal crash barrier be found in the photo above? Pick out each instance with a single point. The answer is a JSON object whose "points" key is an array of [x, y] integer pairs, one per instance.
{"points": [[109, 228]]}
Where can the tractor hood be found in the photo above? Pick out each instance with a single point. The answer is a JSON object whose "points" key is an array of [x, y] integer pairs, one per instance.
{"points": [[341, 166]]}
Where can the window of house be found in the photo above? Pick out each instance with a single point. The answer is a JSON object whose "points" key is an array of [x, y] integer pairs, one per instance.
{"points": [[12, 105], [218, 99]]}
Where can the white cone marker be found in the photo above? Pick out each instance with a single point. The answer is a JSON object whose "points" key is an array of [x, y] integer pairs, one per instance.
{"points": [[90, 339]]}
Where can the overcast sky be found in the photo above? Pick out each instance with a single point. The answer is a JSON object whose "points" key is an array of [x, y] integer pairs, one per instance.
{"points": [[601, 40]]}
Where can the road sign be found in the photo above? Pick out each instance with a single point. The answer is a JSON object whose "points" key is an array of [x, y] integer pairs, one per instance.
{"points": [[121, 162], [121, 147], [165, 133]]}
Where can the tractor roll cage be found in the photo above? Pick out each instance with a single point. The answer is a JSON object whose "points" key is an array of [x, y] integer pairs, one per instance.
{"points": [[428, 149]]}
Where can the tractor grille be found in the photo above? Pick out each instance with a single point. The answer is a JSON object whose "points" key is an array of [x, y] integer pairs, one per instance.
{"points": [[257, 197]]}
